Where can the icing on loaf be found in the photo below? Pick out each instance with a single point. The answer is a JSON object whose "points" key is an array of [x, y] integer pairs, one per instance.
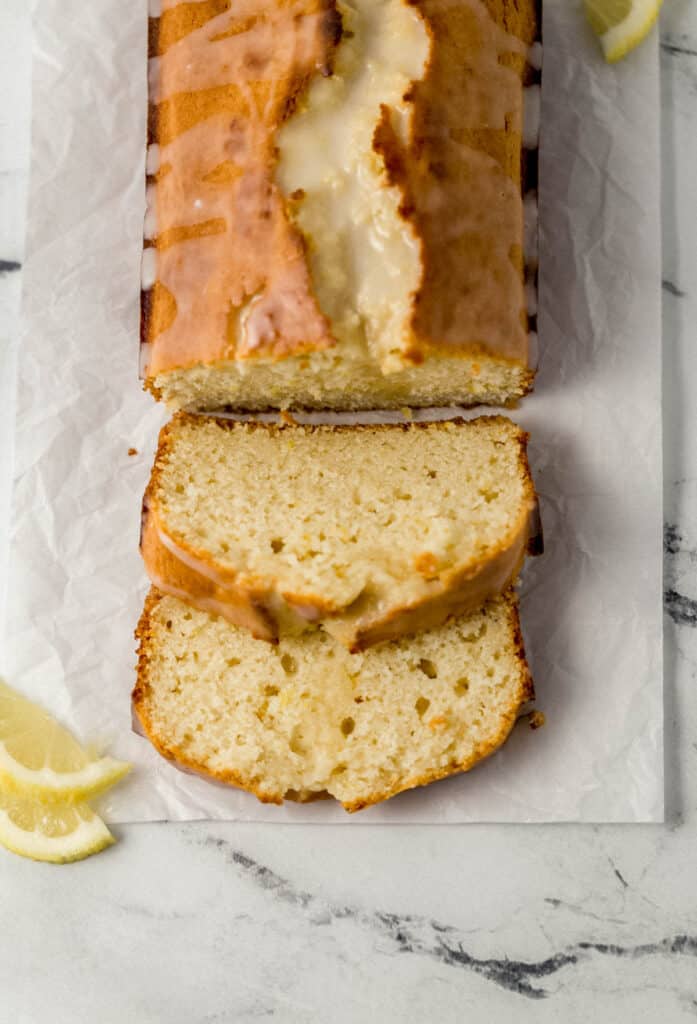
{"points": [[335, 213]]}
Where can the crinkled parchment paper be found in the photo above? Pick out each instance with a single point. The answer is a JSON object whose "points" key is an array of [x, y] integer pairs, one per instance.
{"points": [[592, 605]]}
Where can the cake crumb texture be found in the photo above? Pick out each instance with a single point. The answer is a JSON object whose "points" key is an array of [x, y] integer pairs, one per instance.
{"points": [[374, 530], [306, 718]]}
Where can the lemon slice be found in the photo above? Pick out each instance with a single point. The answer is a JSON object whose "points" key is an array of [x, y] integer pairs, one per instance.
{"points": [[621, 24], [39, 758], [53, 832]]}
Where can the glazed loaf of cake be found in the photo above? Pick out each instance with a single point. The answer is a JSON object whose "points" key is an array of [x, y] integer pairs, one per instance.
{"points": [[335, 208]]}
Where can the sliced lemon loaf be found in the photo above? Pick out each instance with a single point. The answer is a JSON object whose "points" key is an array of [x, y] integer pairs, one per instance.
{"points": [[306, 718], [335, 203], [375, 531]]}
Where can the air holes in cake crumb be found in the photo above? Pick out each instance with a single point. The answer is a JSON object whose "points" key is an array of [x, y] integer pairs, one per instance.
{"points": [[422, 705], [270, 691], [277, 545], [232, 662], [347, 726], [432, 473], [168, 624], [488, 494], [471, 638], [428, 668], [296, 743], [179, 488], [358, 700], [461, 686], [225, 547], [339, 770], [289, 664]]}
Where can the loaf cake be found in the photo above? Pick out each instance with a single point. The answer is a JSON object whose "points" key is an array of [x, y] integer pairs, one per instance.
{"points": [[335, 203], [306, 718], [374, 531]]}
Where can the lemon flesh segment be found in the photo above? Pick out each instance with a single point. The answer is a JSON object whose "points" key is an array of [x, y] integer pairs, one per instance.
{"points": [[621, 24], [50, 832], [38, 757]]}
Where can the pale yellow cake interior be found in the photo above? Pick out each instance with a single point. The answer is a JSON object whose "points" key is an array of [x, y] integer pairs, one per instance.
{"points": [[307, 717], [343, 513], [328, 380]]}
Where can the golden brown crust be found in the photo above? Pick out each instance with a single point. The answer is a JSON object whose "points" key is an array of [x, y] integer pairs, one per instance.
{"points": [[189, 573], [257, 86], [457, 309], [229, 777]]}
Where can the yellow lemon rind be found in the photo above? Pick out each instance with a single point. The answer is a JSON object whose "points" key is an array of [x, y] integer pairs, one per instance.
{"points": [[62, 787], [620, 40], [88, 838]]}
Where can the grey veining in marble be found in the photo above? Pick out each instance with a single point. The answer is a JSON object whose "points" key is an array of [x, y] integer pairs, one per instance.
{"points": [[433, 939], [220, 924]]}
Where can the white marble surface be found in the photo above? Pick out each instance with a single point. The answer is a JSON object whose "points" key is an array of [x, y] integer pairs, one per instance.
{"points": [[233, 923]]}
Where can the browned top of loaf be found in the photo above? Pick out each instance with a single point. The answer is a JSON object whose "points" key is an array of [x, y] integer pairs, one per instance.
{"points": [[225, 78], [462, 179]]}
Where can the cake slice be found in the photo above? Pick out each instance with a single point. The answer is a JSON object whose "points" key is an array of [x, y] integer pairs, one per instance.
{"points": [[374, 531], [306, 718], [335, 212]]}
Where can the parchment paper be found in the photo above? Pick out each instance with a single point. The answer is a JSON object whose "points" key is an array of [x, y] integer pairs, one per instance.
{"points": [[591, 605]]}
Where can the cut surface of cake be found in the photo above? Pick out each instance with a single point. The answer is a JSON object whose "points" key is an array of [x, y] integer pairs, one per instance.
{"points": [[306, 718], [335, 212], [373, 531]]}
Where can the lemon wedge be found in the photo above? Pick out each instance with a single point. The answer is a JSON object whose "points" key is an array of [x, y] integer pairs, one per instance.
{"points": [[39, 758], [58, 833], [621, 24]]}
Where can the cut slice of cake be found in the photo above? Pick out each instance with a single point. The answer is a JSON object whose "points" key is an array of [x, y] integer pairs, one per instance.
{"points": [[335, 203], [306, 718], [374, 531]]}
